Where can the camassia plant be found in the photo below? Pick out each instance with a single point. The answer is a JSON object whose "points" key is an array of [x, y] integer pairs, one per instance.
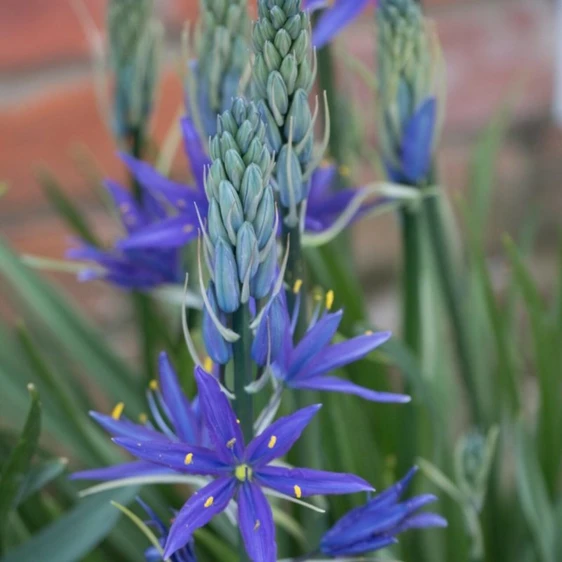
{"points": [[261, 416]]}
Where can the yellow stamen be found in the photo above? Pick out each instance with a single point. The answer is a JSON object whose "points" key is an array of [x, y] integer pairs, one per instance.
{"points": [[297, 286], [257, 525], [118, 410], [153, 385], [369, 333], [298, 491], [208, 364], [345, 171], [272, 442], [329, 300], [188, 458], [209, 501], [238, 421], [143, 418], [230, 444]]}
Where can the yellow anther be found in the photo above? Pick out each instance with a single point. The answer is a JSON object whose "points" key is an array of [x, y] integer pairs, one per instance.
{"points": [[208, 364], [187, 228], [143, 418], [344, 171], [369, 333], [298, 491], [153, 385], [272, 442], [118, 410], [257, 525], [230, 444], [317, 294], [238, 421], [297, 286], [188, 458], [209, 501], [329, 300]]}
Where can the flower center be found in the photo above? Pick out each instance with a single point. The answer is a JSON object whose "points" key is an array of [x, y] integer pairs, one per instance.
{"points": [[243, 472]]}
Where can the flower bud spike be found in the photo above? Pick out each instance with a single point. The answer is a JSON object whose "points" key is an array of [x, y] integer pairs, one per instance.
{"points": [[228, 334], [272, 240]]}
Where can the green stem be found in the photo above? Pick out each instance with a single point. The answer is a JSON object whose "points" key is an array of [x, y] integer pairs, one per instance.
{"points": [[243, 375], [411, 324], [148, 332], [327, 83], [453, 300], [243, 371]]}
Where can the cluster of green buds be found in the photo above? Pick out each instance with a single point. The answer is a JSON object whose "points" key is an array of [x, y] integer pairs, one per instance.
{"points": [[408, 76], [240, 241], [283, 76], [135, 39], [223, 55]]}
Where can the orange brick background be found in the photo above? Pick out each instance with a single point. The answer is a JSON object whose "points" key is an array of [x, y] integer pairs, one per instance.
{"points": [[48, 116]]}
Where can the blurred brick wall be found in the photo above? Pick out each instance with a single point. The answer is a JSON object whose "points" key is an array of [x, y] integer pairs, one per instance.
{"points": [[48, 116]]}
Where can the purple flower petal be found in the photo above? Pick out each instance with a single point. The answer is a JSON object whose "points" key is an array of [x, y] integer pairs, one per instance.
{"points": [[193, 146], [178, 405], [335, 384], [126, 428], [198, 511], [372, 545], [422, 521], [179, 195], [173, 232], [333, 20], [219, 418], [256, 524], [320, 184], [180, 457], [119, 471], [417, 141], [131, 215], [314, 340], [279, 437], [343, 353], [304, 482]]}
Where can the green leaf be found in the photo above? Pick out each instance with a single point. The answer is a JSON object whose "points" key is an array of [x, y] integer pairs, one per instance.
{"points": [[70, 330], [65, 208], [533, 495], [74, 534], [39, 476], [16, 468]]}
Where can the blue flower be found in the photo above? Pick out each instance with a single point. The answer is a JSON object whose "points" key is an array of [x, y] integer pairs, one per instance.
{"points": [[239, 471], [151, 554], [325, 204], [339, 14], [375, 525], [181, 227], [175, 420], [134, 268], [304, 365]]}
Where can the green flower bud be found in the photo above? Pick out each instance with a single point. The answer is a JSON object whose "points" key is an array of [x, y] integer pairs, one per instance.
{"points": [[277, 97], [247, 254], [251, 191], [226, 278], [235, 167]]}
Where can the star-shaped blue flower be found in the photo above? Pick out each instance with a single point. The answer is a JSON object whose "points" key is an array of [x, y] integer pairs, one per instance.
{"points": [[304, 364], [240, 471], [175, 420], [338, 15], [138, 268], [151, 554], [375, 525]]}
